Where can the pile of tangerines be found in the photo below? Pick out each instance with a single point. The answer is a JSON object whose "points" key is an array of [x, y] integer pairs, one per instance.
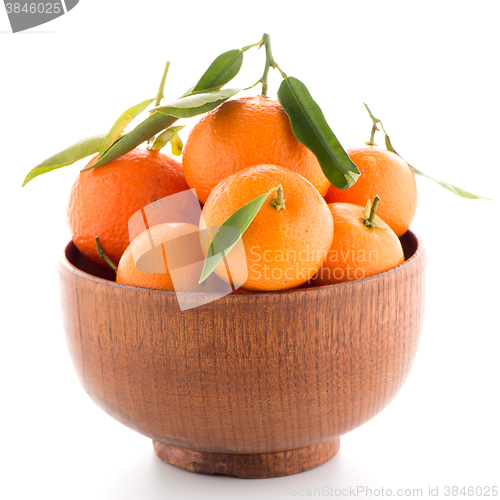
{"points": [[307, 232]]}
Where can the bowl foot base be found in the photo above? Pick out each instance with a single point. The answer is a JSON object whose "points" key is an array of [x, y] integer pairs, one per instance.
{"points": [[249, 465]]}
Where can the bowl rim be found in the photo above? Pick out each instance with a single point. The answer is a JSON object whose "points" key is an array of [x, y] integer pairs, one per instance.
{"points": [[417, 255]]}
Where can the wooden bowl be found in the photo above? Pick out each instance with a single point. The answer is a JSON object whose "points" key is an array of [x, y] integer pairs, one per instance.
{"points": [[253, 384]]}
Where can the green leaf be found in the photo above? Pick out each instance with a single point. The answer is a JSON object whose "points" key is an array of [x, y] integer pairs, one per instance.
{"points": [[163, 139], [142, 132], [196, 104], [311, 129], [162, 118], [222, 70], [123, 121], [68, 156], [176, 145], [230, 232], [450, 187], [113, 145]]}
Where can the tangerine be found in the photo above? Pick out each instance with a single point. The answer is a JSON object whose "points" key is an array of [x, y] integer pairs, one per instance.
{"points": [[103, 199], [288, 239], [359, 249], [386, 174], [242, 133], [144, 262]]}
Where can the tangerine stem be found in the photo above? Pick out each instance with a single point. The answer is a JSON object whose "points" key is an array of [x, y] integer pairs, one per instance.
{"points": [[370, 220], [374, 126], [278, 201], [160, 95], [373, 211], [270, 62], [104, 255], [248, 47]]}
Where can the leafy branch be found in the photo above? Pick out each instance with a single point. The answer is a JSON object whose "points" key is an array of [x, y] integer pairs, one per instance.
{"points": [[116, 143], [309, 125], [306, 118], [450, 187]]}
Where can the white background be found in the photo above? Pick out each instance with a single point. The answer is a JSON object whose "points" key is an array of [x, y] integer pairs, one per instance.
{"points": [[429, 69]]}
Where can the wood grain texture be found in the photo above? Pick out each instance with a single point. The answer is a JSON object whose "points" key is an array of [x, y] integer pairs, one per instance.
{"points": [[251, 373], [249, 466]]}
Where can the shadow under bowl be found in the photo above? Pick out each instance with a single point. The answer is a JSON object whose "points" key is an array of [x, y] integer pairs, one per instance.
{"points": [[250, 385]]}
